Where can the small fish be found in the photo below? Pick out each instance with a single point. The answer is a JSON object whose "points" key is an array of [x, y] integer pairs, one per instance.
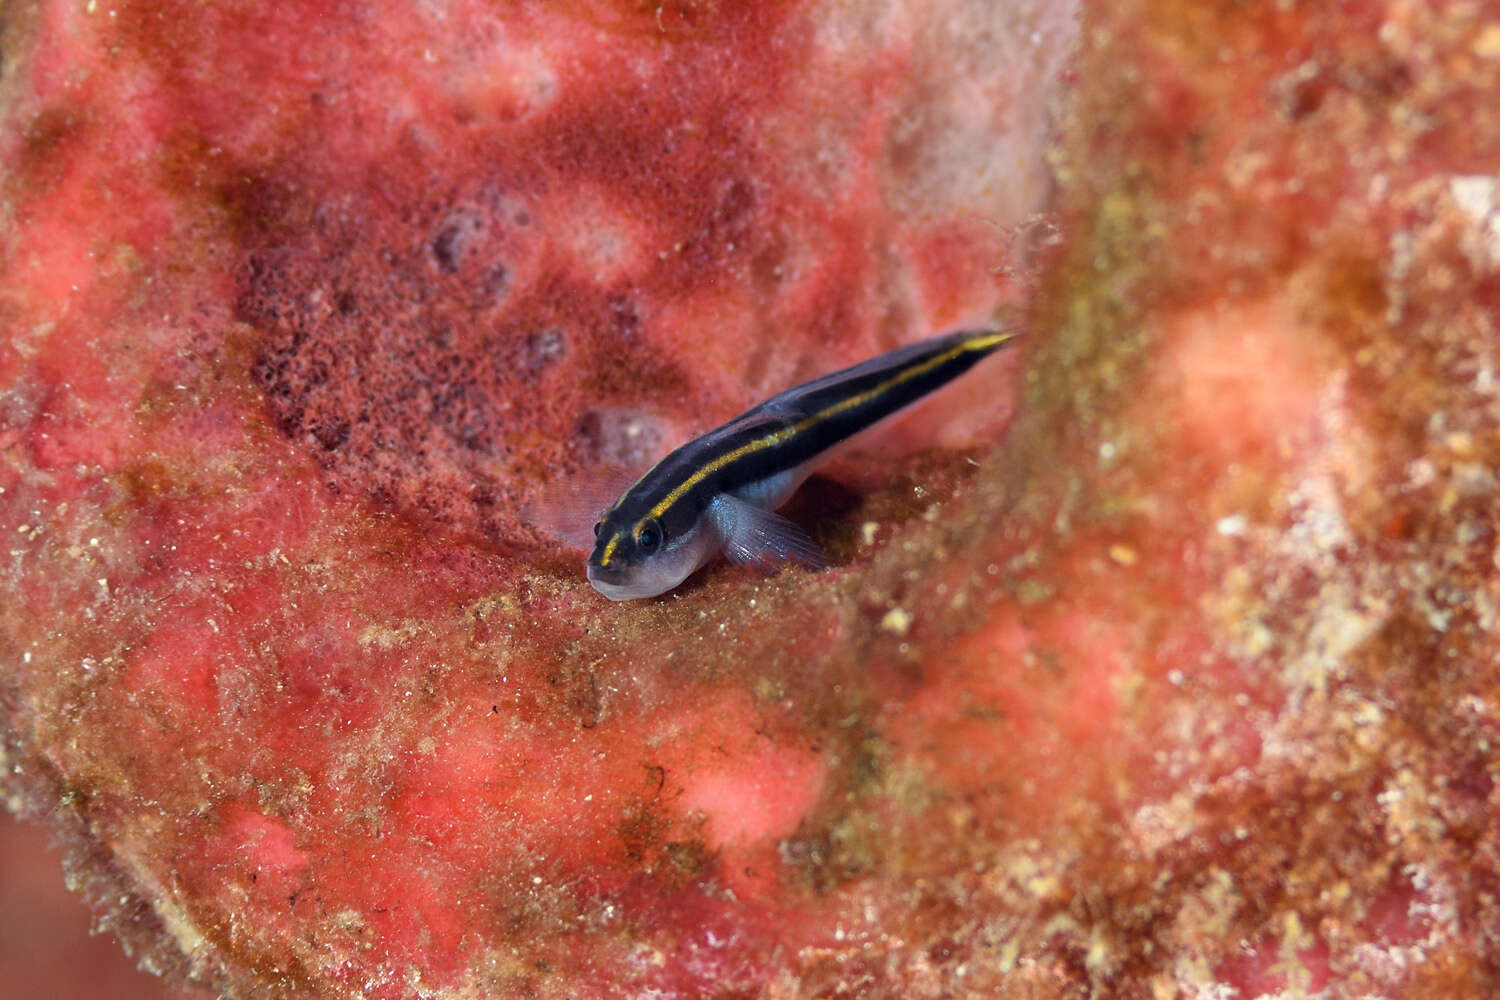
{"points": [[720, 491]]}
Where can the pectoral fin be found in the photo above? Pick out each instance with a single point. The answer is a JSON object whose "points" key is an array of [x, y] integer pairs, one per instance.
{"points": [[754, 535]]}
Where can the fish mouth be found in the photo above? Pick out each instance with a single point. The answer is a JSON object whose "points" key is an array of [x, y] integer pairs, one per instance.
{"points": [[619, 585]]}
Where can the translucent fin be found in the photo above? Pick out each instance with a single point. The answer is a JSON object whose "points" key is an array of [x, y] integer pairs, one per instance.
{"points": [[754, 535], [569, 509]]}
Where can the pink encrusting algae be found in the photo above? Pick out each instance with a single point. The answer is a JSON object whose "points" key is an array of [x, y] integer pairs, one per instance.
{"points": [[1166, 668]]}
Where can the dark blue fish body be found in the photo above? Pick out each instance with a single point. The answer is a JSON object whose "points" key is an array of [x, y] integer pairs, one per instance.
{"points": [[720, 491]]}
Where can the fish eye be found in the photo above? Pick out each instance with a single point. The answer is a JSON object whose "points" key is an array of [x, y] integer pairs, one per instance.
{"points": [[598, 528], [648, 537]]}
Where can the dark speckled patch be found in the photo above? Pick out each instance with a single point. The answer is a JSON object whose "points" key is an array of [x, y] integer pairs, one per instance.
{"points": [[442, 333]]}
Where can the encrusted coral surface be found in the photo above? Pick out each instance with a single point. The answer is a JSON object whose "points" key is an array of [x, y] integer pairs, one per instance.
{"points": [[1180, 682]]}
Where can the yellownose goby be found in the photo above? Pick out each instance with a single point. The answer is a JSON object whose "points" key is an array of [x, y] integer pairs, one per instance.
{"points": [[720, 491]]}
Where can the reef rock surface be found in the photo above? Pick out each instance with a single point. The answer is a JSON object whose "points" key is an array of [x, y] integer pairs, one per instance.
{"points": [[1158, 658]]}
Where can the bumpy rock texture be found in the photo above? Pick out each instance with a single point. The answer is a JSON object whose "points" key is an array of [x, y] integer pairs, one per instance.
{"points": [[1183, 682]]}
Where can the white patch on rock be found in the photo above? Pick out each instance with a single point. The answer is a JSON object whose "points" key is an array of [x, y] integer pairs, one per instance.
{"points": [[1475, 196]]}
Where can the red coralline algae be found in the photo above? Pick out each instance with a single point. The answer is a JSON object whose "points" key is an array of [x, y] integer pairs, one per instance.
{"points": [[1180, 683]]}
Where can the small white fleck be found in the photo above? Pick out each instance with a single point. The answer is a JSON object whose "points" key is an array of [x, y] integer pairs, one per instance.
{"points": [[897, 621], [1476, 198], [1232, 526], [26, 656], [1420, 473], [1175, 677], [94, 542], [1107, 451], [1475, 195]]}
